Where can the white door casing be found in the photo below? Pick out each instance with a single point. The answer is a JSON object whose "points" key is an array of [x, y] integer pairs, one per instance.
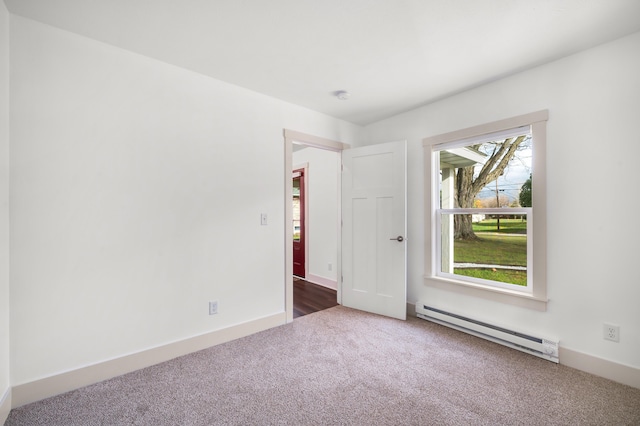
{"points": [[291, 137], [374, 229]]}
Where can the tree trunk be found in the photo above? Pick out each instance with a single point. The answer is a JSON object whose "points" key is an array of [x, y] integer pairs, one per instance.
{"points": [[462, 223], [463, 227]]}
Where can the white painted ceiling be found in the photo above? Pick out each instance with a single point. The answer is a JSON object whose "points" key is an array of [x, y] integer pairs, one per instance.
{"points": [[391, 55]]}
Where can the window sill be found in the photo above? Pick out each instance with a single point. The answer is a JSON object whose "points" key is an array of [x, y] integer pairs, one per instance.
{"points": [[511, 297]]}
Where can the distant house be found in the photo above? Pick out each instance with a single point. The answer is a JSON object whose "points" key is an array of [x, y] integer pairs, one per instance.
{"points": [[477, 218]]}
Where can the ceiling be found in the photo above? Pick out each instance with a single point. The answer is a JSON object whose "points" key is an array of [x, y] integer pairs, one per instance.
{"points": [[391, 55]]}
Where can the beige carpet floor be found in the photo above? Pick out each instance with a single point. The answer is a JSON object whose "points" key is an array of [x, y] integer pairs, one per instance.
{"points": [[345, 367]]}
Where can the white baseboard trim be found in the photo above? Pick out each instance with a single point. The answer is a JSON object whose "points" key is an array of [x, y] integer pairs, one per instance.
{"points": [[620, 373], [617, 372], [325, 282], [54, 385], [5, 406]]}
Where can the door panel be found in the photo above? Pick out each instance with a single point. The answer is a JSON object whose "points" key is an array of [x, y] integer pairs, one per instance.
{"points": [[373, 216], [384, 276], [299, 255]]}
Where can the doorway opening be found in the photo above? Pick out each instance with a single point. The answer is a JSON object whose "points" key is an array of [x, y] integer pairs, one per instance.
{"points": [[317, 266]]}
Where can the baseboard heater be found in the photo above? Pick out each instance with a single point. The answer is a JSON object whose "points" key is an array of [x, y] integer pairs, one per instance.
{"points": [[538, 346]]}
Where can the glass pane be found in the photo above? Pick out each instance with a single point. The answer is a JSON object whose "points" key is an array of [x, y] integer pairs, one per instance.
{"points": [[489, 174], [296, 230], [296, 219], [296, 209], [497, 253]]}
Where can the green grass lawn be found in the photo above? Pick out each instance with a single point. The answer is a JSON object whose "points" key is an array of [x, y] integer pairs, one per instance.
{"points": [[494, 249], [507, 226]]}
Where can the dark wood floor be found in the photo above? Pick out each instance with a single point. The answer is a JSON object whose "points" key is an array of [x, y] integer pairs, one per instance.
{"points": [[309, 298]]}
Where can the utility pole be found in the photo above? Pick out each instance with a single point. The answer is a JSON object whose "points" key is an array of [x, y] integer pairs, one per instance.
{"points": [[497, 204]]}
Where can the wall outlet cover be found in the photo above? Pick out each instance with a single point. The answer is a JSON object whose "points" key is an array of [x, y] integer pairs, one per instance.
{"points": [[611, 332]]}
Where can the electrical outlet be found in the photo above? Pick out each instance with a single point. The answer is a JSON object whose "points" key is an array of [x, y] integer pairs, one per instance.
{"points": [[213, 307], [611, 332]]}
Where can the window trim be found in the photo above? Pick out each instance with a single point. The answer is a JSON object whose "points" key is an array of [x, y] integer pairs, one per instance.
{"points": [[537, 298]]}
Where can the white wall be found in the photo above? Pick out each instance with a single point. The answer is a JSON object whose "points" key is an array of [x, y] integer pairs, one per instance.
{"points": [[322, 214], [4, 204], [593, 147], [137, 189]]}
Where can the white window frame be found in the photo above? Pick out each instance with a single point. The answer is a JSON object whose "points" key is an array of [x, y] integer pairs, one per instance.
{"points": [[535, 295]]}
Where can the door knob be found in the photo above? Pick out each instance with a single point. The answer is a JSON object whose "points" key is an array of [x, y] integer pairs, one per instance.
{"points": [[399, 238]]}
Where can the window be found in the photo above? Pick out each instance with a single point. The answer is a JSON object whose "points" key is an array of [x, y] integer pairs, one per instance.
{"points": [[488, 230]]}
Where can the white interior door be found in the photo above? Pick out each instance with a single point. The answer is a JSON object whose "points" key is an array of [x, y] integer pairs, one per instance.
{"points": [[374, 229]]}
